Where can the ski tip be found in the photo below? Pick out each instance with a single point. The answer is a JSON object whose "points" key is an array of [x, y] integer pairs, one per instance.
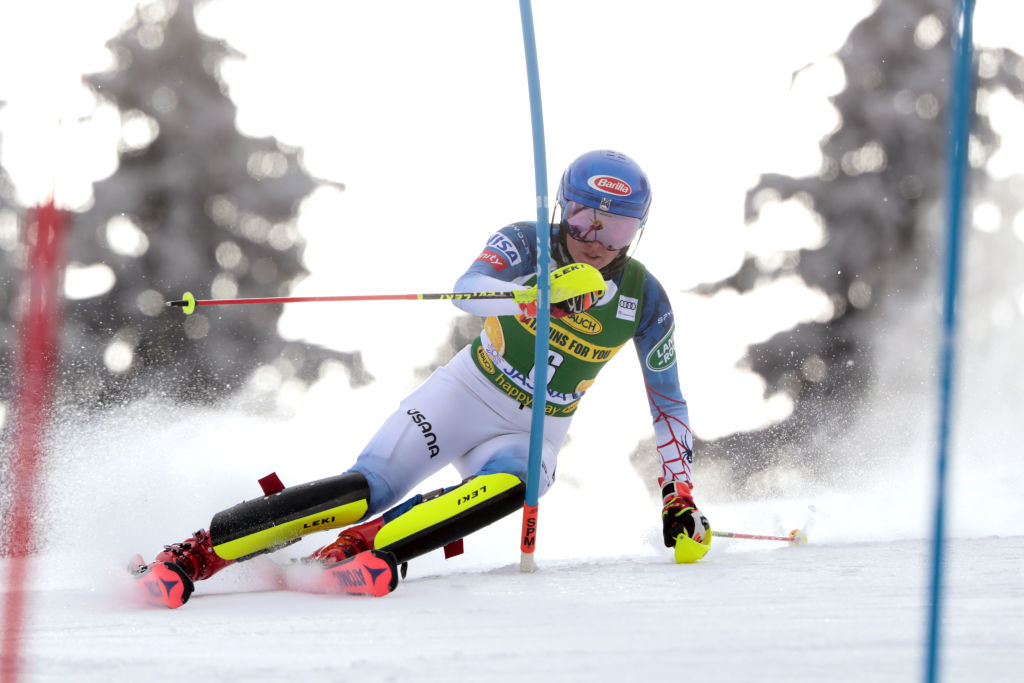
{"points": [[371, 572], [382, 569], [392, 563], [162, 584]]}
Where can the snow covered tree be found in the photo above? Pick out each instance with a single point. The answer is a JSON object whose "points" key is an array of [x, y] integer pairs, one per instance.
{"points": [[194, 205], [878, 196]]}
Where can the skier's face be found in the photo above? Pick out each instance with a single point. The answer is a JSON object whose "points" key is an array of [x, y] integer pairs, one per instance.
{"points": [[596, 237], [591, 253]]}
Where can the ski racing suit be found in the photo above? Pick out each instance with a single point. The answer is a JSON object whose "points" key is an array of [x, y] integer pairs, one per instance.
{"points": [[471, 413]]}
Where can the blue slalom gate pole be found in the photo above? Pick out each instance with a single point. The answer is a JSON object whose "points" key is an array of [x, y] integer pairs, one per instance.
{"points": [[959, 128], [540, 360]]}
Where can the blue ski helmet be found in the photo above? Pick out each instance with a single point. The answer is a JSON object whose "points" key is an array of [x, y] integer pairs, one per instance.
{"points": [[607, 181]]}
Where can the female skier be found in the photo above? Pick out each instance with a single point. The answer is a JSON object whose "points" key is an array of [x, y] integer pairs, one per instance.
{"points": [[472, 413]]}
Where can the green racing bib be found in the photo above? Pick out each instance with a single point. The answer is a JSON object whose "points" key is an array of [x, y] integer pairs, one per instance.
{"points": [[578, 345]]}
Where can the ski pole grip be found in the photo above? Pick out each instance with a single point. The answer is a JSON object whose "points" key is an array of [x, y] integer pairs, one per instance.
{"points": [[187, 303]]}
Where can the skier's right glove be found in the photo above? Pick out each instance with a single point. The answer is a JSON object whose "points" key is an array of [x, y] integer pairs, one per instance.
{"points": [[577, 304], [574, 288], [679, 514]]}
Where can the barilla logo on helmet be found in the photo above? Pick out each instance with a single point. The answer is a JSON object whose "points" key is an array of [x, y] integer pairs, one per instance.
{"points": [[610, 184]]}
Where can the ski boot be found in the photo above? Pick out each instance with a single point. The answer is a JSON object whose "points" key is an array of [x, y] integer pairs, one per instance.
{"points": [[350, 542], [170, 578], [195, 556]]}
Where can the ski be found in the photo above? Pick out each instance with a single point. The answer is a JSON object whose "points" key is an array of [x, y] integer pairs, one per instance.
{"points": [[372, 572], [163, 584]]}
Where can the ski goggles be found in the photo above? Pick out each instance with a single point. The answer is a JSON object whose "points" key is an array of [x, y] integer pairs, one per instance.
{"points": [[585, 224]]}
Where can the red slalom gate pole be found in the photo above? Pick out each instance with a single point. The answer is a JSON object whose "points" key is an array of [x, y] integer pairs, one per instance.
{"points": [[36, 363]]}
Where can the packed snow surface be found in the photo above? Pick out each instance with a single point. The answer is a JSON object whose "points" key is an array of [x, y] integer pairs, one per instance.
{"points": [[823, 612], [606, 602]]}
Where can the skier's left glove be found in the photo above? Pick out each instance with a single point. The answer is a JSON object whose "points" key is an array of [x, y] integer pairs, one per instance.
{"points": [[679, 514]]}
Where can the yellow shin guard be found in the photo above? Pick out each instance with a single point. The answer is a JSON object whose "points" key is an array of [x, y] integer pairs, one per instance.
{"points": [[469, 507], [275, 520]]}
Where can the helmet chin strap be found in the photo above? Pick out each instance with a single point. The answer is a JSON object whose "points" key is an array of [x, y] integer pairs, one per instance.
{"points": [[560, 248]]}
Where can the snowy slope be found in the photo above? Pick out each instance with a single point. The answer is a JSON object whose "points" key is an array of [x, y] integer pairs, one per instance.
{"points": [[829, 612], [606, 604]]}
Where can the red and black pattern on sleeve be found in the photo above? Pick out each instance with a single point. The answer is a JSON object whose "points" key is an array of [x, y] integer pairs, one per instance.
{"points": [[673, 437]]}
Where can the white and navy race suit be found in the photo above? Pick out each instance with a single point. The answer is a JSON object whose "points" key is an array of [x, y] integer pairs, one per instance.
{"points": [[472, 413]]}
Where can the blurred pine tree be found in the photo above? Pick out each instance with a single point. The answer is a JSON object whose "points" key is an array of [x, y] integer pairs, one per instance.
{"points": [[194, 205], [878, 195]]}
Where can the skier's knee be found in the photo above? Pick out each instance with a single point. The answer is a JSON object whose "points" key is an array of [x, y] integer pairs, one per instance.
{"points": [[509, 460], [381, 495], [515, 461]]}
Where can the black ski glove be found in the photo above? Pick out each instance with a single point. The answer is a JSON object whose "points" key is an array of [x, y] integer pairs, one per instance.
{"points": [[679, 514]]}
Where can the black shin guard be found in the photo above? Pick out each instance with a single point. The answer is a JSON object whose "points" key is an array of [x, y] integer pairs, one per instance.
{"points": [[267, 523]]}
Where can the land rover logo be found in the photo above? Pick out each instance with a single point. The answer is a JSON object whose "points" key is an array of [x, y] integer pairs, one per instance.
{"points": [[663, 355]]}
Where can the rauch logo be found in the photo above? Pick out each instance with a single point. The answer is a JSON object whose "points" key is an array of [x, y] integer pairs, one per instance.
{"points": [[610, 184]]}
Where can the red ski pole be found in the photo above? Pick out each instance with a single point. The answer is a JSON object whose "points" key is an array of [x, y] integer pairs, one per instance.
{"points": [[188, 303], [796, 536]]}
